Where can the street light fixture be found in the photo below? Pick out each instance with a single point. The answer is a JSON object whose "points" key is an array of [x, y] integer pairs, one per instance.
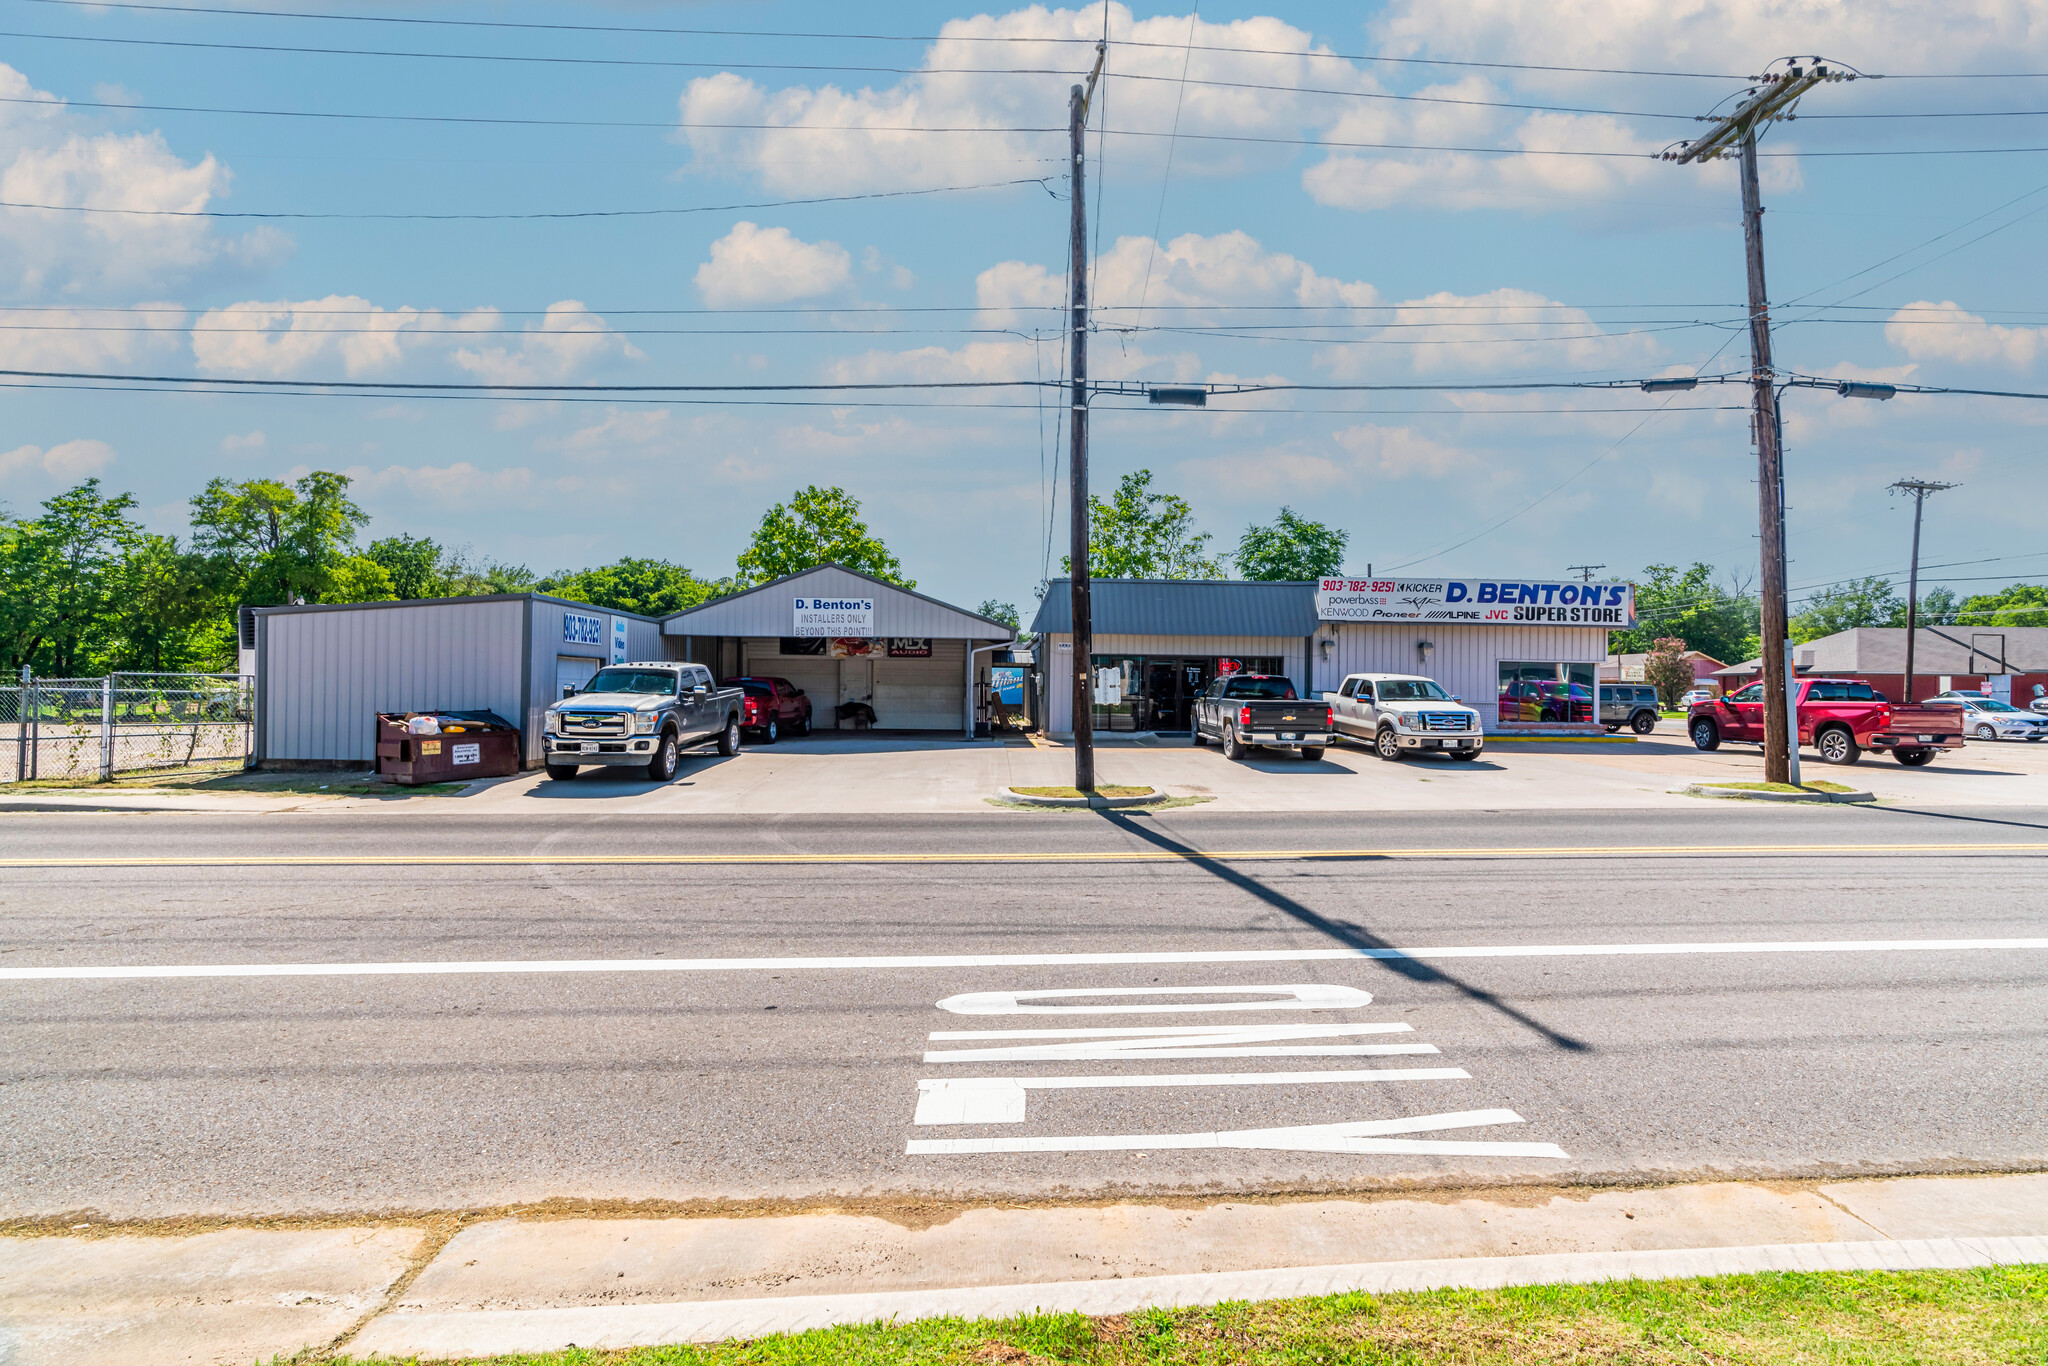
{"points": [[1850, 388], [1670, 386], [1187, 398]]}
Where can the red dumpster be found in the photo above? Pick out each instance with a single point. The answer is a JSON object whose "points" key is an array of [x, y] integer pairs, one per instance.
{"points": [[453, 747]]}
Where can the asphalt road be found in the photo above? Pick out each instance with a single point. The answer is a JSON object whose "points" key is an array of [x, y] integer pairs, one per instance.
{"points": [[747, 1076]]}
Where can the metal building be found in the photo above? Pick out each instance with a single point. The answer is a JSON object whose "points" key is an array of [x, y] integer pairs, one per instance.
{"points": [[324, 671], [846, 637], [1523, 653]]}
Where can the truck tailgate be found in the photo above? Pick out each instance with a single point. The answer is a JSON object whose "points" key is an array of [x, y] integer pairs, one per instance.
{"points": [[1944, 721]]}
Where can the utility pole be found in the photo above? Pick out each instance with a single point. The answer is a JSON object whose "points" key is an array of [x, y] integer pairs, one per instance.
{"points": [[1077, 455], [1584, 571], [1772, 98], [1919, 488]]}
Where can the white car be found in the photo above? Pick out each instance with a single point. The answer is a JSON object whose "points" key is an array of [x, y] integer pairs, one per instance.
{"points": [[1400, 714], [2040, 702], [1987, 718], [1696, 695]]}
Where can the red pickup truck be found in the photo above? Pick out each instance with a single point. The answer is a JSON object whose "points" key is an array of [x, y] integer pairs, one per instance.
{"points": [[774, 707], [1840, 717]]}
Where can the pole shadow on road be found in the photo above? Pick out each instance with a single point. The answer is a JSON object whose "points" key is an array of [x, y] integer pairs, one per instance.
{"points": [[1344, 932], [1949, 816]]}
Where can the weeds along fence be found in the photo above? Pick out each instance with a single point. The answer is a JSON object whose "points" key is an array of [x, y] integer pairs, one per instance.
{"points": [[86, 728]]}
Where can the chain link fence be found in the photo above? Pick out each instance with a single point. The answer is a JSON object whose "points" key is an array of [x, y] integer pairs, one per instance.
{"points": [[87, 728]]}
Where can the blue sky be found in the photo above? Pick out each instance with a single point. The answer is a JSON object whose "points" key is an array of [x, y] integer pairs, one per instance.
{"points": [[1281, 259]]}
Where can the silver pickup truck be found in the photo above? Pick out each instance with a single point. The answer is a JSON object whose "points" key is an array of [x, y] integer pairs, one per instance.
{"points": [[641, 715], [1400, 714]]}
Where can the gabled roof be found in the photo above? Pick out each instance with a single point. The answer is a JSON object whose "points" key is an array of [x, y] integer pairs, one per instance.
{"points": [[1184, 607], [765, 609]]}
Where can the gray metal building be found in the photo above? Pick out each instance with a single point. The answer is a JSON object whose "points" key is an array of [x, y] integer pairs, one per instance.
{"points": [[323, 672], [920, 663]]}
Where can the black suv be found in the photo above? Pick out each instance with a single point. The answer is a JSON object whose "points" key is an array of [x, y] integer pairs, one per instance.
{"points": [[1628, 704]]}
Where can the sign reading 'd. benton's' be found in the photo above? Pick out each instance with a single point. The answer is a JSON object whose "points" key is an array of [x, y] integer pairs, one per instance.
{"points": [[834, 617], [1484, 602]]}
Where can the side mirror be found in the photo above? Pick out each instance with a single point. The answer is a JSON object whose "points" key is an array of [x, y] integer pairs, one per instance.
{"points": [[800, 693], [568, 690], [1456, 698], [700, 688]]}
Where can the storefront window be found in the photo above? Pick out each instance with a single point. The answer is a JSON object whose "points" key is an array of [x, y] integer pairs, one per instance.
{"points": [[1142, 692], [1537, 694]]}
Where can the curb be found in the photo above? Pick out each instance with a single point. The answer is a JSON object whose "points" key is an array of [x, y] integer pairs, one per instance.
{"points": [[488, 1332], [1743, 794], [1011, 794]]}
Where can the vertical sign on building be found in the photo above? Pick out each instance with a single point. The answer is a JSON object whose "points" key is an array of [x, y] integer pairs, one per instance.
{"points": [[618, 640]]}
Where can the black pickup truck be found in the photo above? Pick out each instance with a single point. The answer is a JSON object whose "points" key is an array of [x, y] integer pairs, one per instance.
{"points": [[1246, 710]]}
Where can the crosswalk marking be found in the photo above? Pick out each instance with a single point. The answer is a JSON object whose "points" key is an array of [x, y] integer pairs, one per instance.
{"points": [[1293, 996], [1364, 1136], [1217, 1041]]}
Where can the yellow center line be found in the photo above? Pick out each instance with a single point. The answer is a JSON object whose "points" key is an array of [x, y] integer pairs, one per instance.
{"points": [[1076, 856]]}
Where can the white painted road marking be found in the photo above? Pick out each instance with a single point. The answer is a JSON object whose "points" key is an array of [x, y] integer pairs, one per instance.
{"points": [[1298, 996], [1220, 1041], [1000, 1100], [1359, 1137], [112, 972]]}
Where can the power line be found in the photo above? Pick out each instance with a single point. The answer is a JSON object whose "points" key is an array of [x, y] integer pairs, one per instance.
{"points": [[1039, 181]]}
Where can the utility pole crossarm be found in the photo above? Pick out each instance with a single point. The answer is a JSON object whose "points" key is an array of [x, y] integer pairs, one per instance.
{"points": [[1770, 100]]}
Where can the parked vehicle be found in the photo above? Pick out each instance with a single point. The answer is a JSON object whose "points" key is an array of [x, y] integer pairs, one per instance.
{"points": [[631, 715], [1628, 704], [772, 708], [1399, 714], [1697, 695], [1987, 718], [1244, 711], [1839, 717], [2040, 702]]}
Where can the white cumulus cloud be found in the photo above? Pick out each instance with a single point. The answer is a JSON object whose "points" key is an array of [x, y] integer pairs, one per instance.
{"points": [[73, 460], [753, 265], [1944, 331], [50, 157], [571, 340], [309, 338]]}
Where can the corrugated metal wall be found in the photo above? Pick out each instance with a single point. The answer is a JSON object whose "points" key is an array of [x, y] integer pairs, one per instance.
{"points": [[1058, 663], [644, 641], [909, 694], [327, 674], [1465, 659]]}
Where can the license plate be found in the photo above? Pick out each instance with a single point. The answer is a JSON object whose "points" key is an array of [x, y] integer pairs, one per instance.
{"points": [[1290, 735], [587, 747], [1927, 739]]}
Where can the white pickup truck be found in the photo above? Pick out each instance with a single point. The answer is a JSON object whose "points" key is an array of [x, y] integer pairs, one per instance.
{"points": [[1398, 714]]}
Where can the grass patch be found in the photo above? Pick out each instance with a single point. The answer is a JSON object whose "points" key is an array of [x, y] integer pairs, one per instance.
{"points": [[1815, 786], [1101, 790], [351, 783], [1158, 804], [1993, 1317]]}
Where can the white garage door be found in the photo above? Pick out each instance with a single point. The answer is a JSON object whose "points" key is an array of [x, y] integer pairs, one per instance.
{"points": [[922, 694]]}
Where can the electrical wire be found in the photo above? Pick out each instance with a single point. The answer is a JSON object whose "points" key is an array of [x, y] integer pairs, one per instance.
{"points": [[1166, 177]]}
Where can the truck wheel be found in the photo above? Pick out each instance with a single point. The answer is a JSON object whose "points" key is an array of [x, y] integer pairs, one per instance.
{"points": [[1643, 722], [1387, 744], [561, 773], [729, 738], [1914, 758], [803, 725], [771, 732], [1837, 746], [1312, 753], [662, 767], [1705, 734], [1233, 748]]}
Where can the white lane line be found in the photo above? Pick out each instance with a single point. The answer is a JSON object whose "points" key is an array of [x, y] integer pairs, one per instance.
{"points": [[1219, 1041], [1364, 1136], [998, 960], [1235, 1032], [1001, 1100], [1295, 996]]}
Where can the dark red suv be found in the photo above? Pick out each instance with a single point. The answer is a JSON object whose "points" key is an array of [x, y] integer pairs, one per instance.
{"points": [[774, 707]]}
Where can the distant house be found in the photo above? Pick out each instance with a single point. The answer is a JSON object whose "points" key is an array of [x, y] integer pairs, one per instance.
{"points": [[1629, 668], [1964, 658]]}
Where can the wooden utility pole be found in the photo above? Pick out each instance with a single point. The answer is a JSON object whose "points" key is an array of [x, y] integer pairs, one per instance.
{"points": [[1771, 98], [1919, 488], [1083, 676]]}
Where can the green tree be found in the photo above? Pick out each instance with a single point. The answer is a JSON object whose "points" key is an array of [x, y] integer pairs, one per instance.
{"points": [[653, 588], [1139, 534], [414, 564], [1859, 602], [161, 615], [58, 575], [1719, 620], [1938, 607], [274, 544], [1667, 668], [358, 578], [816, 526], [1292, 549], [1005, 612], [2023, 604]]}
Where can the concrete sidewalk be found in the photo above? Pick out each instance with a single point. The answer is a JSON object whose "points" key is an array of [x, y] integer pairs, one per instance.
{"points": [[455, 1286]]}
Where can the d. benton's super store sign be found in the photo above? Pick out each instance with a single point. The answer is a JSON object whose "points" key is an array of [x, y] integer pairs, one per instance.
{"points": [[1483, 602]]}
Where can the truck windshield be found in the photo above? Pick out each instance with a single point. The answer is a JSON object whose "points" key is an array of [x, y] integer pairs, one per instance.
{"points": [[1412, 690], [1274, 689], [632, 680]]}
